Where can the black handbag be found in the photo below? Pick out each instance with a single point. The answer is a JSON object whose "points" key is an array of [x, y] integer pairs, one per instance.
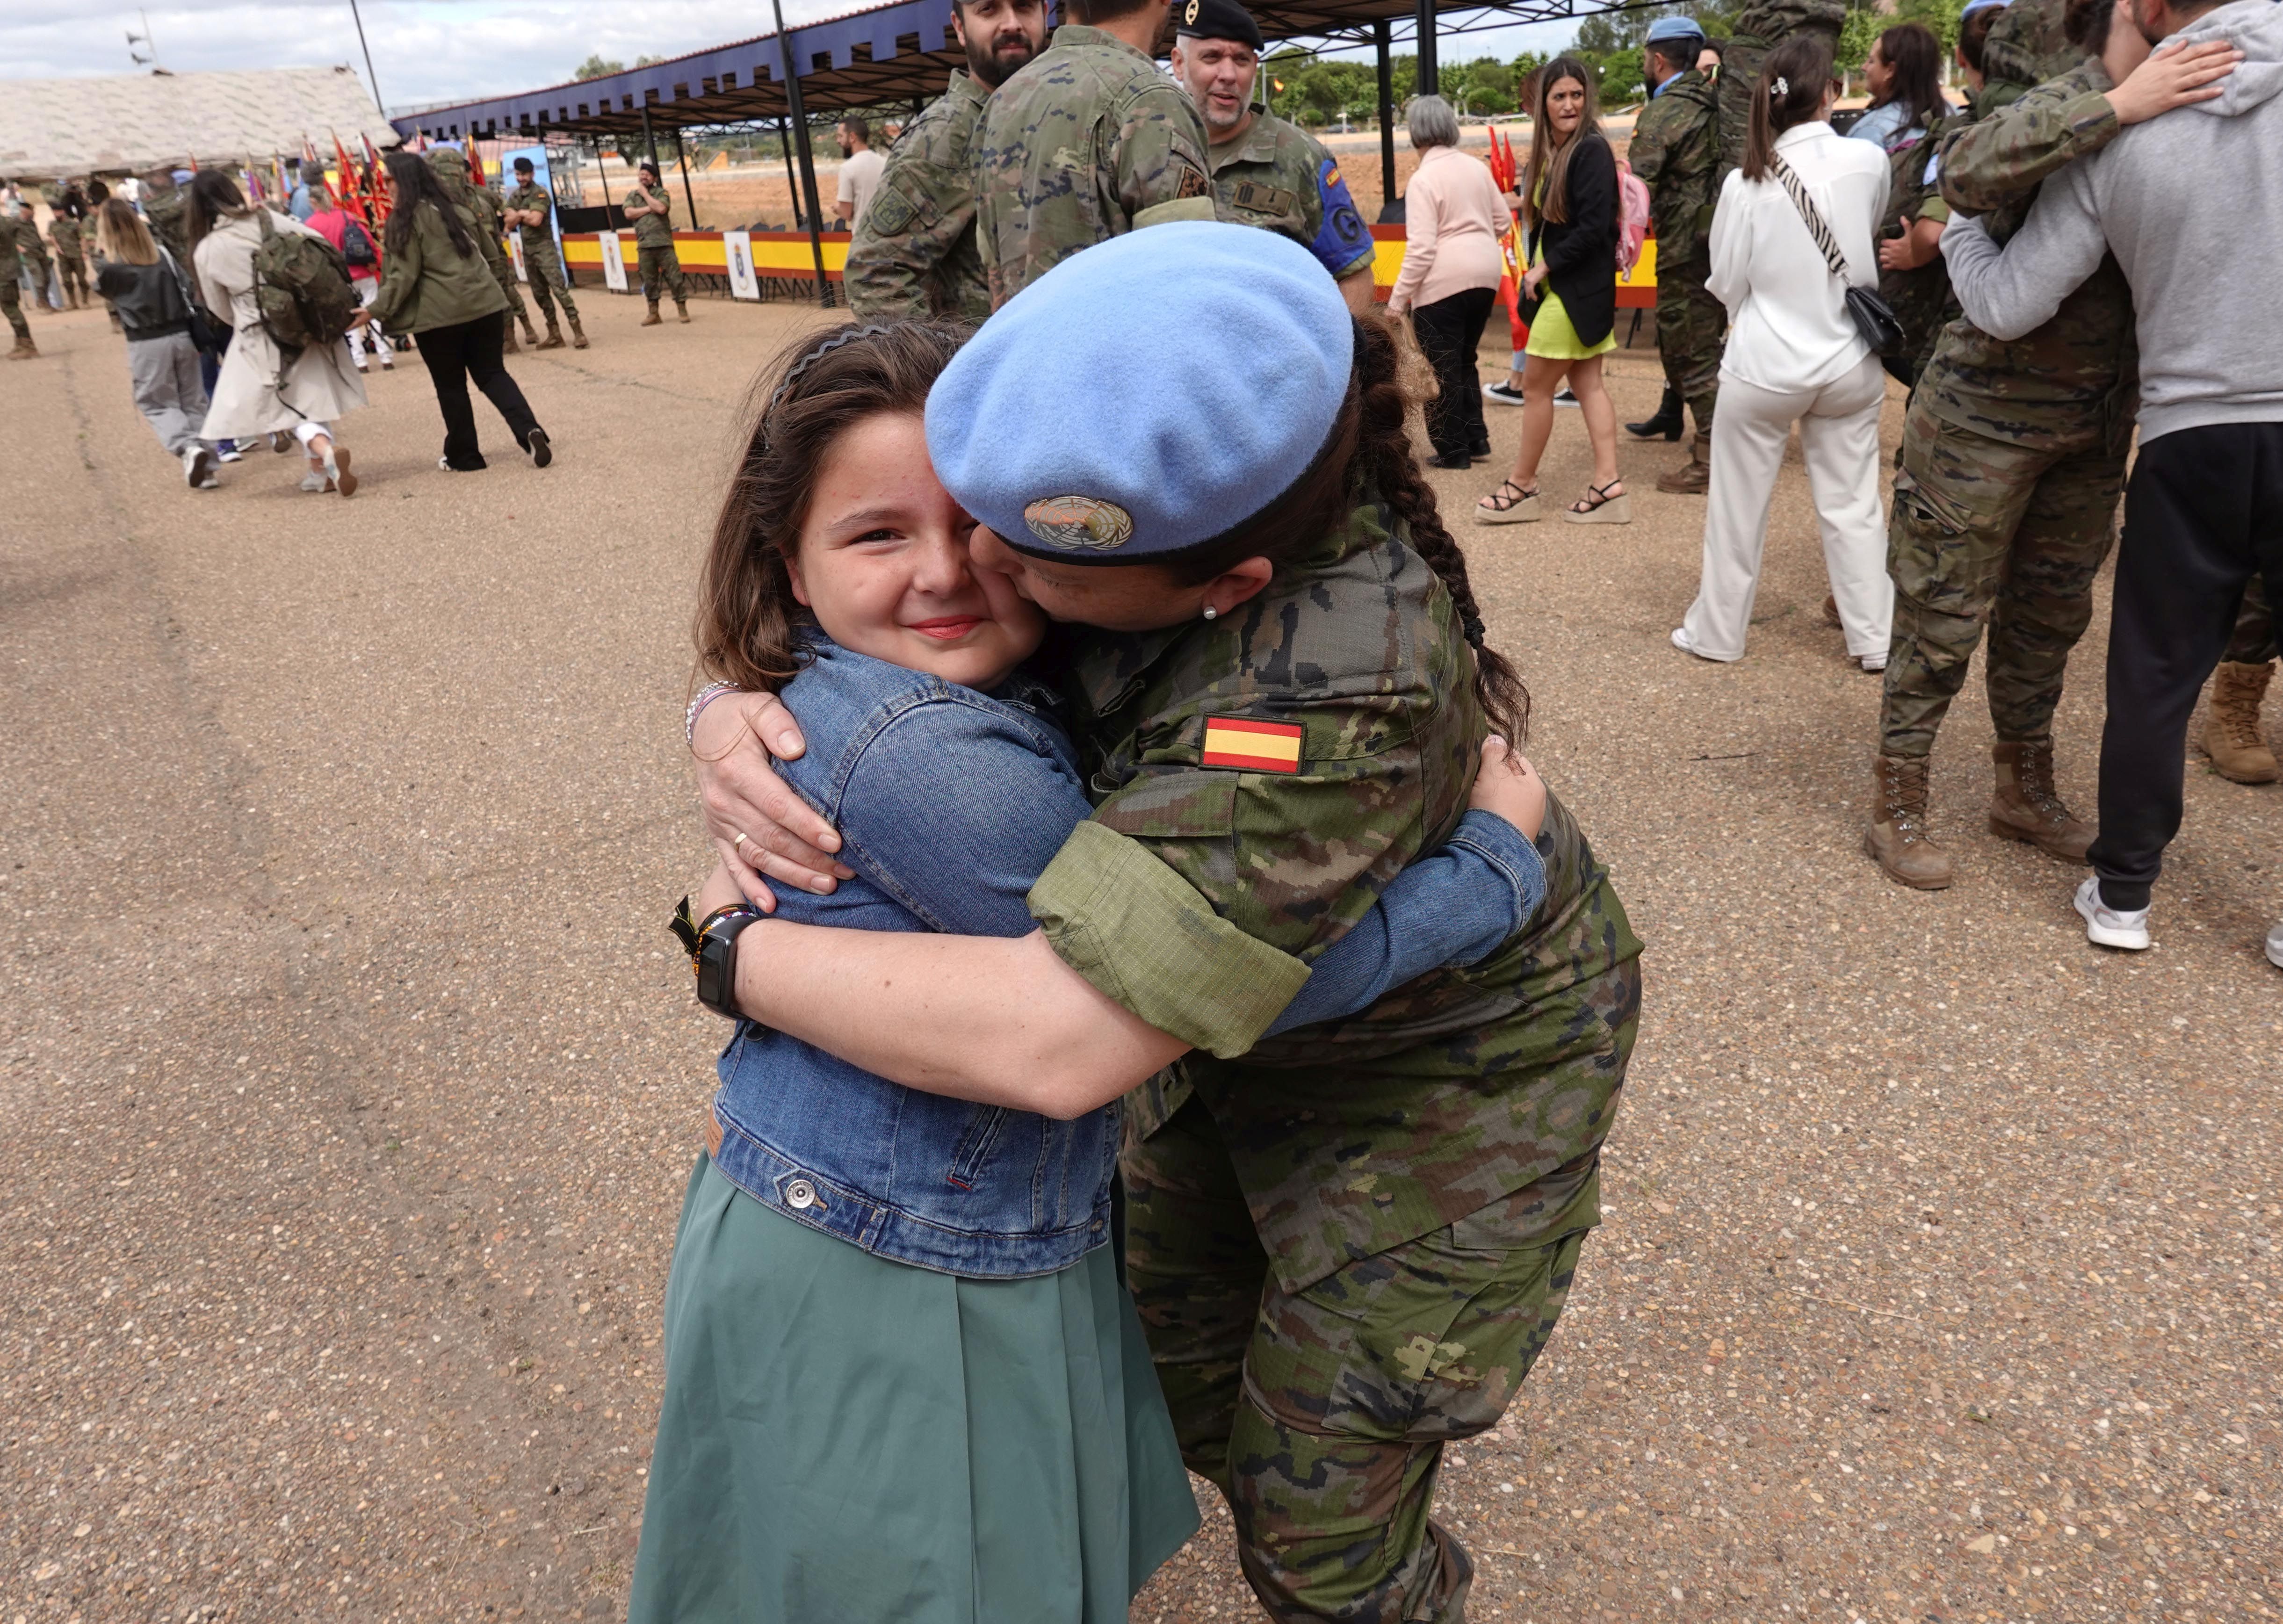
{"points": [[1873, 316], [204, 338]]}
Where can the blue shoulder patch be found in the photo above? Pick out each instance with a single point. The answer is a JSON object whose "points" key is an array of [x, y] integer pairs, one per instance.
{"points": [[1342, 241]]}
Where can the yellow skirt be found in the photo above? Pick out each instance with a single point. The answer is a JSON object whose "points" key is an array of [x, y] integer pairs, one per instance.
{"points": [[1553, 338]]}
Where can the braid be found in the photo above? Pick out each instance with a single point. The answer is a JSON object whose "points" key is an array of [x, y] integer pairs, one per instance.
{"points": [[1385, 457]]}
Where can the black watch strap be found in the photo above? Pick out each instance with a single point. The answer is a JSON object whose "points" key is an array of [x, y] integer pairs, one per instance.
{"points": [[712, 944]]}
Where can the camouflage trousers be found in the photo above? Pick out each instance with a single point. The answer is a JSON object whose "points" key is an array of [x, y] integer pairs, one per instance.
{"points": [[11, 300], [2254, 640], [661, 272], [513, 289], [1989, 531], [549, 285], [1322, 1414], [1692, 329]]}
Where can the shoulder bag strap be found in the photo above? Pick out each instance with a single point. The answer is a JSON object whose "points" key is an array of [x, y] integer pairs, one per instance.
{"points": [[1813, 216]]}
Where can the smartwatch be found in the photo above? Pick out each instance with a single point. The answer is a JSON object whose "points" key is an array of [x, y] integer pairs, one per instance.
{"points": [[712, 944]]}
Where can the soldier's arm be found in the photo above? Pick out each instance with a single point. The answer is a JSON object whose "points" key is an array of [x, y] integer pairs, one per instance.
{"points": [[1646, 151], [1160, 157], [1999, 159], [917, 217]]}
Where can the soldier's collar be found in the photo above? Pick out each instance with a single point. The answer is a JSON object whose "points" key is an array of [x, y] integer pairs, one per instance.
{"points": [[1256, 145]]}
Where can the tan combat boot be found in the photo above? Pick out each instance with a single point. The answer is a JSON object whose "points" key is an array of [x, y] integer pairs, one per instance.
{"points": [[25, 350], [578, 335], [1693, 478], [2231, 731], [1898, 839], [2024, 806], [681, 310], [508, 345], [651, 320], [554, 339], [530, 333]]}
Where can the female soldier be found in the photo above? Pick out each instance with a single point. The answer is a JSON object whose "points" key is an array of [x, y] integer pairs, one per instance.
{"points": [[1276, 716]]}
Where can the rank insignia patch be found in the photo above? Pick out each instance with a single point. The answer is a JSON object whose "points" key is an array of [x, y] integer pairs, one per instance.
{"points": [[1251, 747]]}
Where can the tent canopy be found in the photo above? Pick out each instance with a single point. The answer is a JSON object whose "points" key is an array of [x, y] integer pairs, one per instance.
{"points": [[128, 123]]}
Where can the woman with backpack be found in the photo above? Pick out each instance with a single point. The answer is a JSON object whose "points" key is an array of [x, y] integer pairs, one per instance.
{"points": [[436, 285], [1569, 203], [150, 297], [350, 235], [259, 389]]}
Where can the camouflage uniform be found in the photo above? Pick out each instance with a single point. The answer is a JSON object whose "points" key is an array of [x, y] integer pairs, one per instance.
{"points": [[12, 295], [163, 204], [2255, 642], [1278, 177], [452, 169], [659, 267], [1349, 1244], [1761, 27], [540, 260], [34, 250], [913, 252], [1088, 141], [2014, 452], [1920, 298], [1676, 153], [71, 261]]}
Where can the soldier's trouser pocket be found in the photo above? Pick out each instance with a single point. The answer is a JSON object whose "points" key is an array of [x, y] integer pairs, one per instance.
{"points": [[1351, 1388]]}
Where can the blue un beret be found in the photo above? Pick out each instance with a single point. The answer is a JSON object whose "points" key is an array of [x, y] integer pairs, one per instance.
{"points": [[1673, 28], [1077, 425]]}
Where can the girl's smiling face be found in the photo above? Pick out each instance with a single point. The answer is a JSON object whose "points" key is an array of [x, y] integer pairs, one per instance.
{"points": [[883, 563]]}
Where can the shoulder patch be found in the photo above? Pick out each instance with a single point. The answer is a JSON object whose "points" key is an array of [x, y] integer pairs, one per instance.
{"points": [[1192, 184], [1250, 746]]}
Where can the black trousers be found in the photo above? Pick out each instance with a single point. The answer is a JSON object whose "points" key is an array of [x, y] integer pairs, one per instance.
{"points": [[471, 350], [2202, 515], [1449, 330]]}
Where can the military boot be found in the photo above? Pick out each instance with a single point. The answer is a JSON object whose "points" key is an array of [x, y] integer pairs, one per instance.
{"points": [[578, 335], [2231, 731], [681, 310], [2024, 806], [530, 333], [508, 345], [554, 339], [1898, 840], [651, 320], [25, 350], [1666, 424], [1693, 478]]}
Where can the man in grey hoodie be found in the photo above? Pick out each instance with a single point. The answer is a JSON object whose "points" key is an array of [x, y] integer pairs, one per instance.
{"points": [[2191, 205]]}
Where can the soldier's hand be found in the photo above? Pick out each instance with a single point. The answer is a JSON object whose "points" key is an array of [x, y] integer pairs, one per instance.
{"points": [[757, 825], [2173, 79], [1508, 786]]}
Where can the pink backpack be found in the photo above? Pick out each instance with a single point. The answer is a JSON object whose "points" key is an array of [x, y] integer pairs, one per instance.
{"points": [[1633, 219]]}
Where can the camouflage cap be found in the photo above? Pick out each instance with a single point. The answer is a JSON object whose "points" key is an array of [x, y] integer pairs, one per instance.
{"points": [[1062, 426]]}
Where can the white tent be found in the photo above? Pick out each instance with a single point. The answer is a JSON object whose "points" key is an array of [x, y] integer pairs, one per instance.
{"points": [[132, 123]]}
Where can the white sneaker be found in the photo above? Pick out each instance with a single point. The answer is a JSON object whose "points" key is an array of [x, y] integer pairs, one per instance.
{"points": [[315, 481], [1874, 664], [2107, 927], [197, 469], [2275, 945]]}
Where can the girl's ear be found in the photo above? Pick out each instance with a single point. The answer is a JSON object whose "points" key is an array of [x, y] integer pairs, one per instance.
{"points": [[792, 575]]}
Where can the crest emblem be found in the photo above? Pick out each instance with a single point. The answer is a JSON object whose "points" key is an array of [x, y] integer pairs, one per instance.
{"points": [[1190, 14], [1080, 522]]}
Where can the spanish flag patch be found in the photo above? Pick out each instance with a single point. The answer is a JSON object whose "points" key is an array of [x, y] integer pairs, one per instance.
{"points": [[1250, 746]]}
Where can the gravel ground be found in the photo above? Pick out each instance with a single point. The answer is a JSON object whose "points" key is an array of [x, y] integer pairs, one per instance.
{"points": [[351, 1085]]}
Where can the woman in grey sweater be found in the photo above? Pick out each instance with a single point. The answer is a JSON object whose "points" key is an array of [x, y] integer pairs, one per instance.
{"points": [[145, 289]]}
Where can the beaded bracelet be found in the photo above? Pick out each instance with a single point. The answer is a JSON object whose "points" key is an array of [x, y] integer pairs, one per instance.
{"points": [[706, 696]]}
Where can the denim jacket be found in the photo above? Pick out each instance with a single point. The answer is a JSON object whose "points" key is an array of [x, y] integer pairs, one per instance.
{"points": [[950, 803]]}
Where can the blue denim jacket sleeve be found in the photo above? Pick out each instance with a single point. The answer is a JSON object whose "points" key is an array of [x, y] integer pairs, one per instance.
{"points": [[1454, 907], [953, 808]]}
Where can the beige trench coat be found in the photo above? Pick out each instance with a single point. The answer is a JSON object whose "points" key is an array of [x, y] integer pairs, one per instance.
{"points": [[321, 386]]}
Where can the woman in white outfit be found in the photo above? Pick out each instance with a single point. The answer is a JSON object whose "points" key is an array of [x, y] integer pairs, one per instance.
{"points": [[1794, 356], [248, 403]]}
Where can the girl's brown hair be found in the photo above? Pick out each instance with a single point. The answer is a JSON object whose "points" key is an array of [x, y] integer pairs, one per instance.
{"points": [[1801, 67], [1368, 453], [122, 234], [749, 625], [1548, 160]]}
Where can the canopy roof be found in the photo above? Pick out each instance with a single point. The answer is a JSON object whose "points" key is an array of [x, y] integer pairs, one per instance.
{"points": [[885, 53], [127, 124]]}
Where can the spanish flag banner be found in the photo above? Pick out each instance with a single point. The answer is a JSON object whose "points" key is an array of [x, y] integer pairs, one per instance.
{"points": [[1251, 747]]}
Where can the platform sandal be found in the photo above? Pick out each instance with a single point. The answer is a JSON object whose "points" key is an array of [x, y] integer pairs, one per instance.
{"points": [[1498, 507], [1597, 507]]}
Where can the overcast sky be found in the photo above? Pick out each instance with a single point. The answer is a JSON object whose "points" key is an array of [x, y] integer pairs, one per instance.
{"points": [[434, 50]]}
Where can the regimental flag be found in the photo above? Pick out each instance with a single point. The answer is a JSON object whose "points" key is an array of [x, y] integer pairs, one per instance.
{"points": [[1251, 747]]}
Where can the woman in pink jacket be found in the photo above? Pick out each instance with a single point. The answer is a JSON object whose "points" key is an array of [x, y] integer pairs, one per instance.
{"points": [[1453, 219]]}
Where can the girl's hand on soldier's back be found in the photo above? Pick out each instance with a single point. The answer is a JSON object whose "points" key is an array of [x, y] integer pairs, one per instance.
{"points": [[1508, 786]]}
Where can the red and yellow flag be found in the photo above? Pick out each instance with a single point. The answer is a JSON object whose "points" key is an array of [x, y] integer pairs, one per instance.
{"points": [[1250, 746]]}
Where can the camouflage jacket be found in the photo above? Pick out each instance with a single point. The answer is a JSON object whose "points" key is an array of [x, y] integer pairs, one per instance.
{"points": [[1920, 298], [1675, 152], [913, 252], [2076, 380], [1761, 27], [1280, 177], [651, 230], [1088, 141], [32, 246], [535, 196], [1452, 1091], [12, 264], [165, 212], [64, 231]]}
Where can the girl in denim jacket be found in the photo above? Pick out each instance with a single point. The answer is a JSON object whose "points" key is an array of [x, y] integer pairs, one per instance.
{"points": [[904, 1380]]}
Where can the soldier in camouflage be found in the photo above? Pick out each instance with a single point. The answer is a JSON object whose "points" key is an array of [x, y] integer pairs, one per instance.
{"points": [[1267, 172], [2013, 456], [650, 206], [1912, 278], [70, 257], [451, 168], [914, 254], [1676, 153], [1087, 143], [165, 209], [531, 211], [1761, 27], [12, 294], [34, 250]]}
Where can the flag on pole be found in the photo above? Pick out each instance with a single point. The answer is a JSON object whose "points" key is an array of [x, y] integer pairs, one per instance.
{"points": [[1505, 171], [351, 197]]}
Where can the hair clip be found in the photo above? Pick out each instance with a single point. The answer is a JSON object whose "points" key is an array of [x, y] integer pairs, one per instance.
{"points": [[1781, 86], [846, 335]]}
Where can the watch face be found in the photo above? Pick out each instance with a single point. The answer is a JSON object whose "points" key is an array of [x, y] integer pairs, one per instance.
{"points": [[716, 968]]}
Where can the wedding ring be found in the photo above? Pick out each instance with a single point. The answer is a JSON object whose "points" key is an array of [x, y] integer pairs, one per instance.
{"points": [[739, 841]]}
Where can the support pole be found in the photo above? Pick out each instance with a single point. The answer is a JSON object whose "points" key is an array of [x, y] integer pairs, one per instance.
{"points": [[799, 117], [1382, 34], [371, 79], [1430, 80], [792, 181], [649, 136], [683, 158]]}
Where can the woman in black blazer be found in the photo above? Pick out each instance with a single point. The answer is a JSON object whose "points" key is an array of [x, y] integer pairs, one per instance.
{"points": [[1570, 202]]}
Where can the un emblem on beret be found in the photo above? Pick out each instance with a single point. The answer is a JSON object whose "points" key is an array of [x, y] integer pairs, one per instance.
{"points": [[1076, 522]]}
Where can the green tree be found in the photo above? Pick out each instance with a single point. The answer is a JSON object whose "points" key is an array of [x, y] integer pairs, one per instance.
{"points": [[596, 68]]}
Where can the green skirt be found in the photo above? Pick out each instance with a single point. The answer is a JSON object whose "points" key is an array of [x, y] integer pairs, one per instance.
{"points": [[845, 1440], [1553, 338]]}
